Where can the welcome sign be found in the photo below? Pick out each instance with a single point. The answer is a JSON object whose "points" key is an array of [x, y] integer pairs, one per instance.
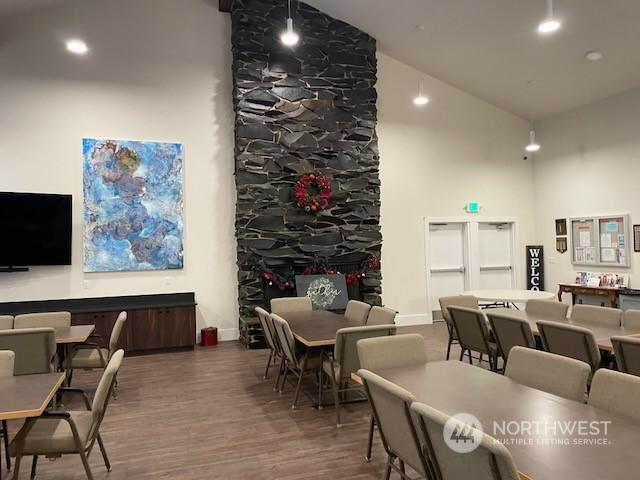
{"points": [[535, 267]]}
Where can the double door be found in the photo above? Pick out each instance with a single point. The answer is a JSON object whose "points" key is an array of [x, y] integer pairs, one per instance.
{"points": [[468, 255]]}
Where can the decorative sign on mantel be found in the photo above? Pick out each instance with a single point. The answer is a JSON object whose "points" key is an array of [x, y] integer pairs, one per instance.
{"points": [[535, 267]]}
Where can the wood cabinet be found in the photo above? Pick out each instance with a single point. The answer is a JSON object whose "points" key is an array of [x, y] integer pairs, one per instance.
{"points": [[163, 328]]}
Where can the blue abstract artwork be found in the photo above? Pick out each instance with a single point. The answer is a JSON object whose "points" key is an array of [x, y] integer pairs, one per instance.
{"points": [[132, 205]]}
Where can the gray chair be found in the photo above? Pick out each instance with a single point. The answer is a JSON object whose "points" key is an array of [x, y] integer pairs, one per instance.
{"points": [[510, 331], [75, 432], [631, 320], [291, 304], [547, 309], [570, 341], [627, 353], [472, 332], [34, 348], [391, 407], [381, 316], [44, 319], [601, 316], [6, 322], [7, 360], [405, 350], [297, 363], [489, 461], [561, 376], [269, 338], [616, 392], [89, 356], [357, 311], [344, 361], [467, 301]]}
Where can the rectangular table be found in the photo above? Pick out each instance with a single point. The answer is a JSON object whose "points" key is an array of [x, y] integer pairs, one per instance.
{"points": [[603, 334], [454, 387], [317, 328], [74, 334], [26, 396]]}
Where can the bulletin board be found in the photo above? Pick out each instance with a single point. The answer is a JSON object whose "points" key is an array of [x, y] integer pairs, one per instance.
{"points": [[602, 240]]}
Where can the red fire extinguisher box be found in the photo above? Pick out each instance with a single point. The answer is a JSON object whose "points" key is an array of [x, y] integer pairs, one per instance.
{"points": [[209, 337]]}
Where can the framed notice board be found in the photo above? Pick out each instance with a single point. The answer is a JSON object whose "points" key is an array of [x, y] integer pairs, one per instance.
{"points": [[602, 240]]}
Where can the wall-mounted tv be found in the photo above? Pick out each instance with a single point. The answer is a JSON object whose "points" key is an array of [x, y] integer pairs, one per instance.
{"points": [[35, 229]]}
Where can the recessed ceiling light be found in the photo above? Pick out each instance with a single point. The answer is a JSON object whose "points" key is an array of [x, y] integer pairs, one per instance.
{"points": [[77, 46], [549, 24], [593, 56], [289, 37]]}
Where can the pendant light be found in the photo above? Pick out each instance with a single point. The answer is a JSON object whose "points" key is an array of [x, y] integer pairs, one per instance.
{"points": [[420, 99], [533, 146], [550, 24], [289, 37]]}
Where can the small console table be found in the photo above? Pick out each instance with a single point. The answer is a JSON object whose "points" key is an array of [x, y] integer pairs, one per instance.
{"points": [[611, 293], [154, 322]]}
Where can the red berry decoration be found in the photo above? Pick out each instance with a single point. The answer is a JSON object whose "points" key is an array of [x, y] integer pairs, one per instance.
{"points": [[303, 198]]}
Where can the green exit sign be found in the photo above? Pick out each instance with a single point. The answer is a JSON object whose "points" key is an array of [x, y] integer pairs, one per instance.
{"points": [[472, 207]]}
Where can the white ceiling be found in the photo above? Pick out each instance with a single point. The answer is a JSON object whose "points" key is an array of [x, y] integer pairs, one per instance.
{"points": [[490, 48]]}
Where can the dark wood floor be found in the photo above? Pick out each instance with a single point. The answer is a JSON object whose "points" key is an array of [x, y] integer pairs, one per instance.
{"points": [[207, 414]]}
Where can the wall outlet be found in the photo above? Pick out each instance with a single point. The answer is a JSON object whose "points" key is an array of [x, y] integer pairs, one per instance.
{"points": [[85, 284]]}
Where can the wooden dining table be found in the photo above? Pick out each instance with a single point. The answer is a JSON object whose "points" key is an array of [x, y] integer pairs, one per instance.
{"points": [[317, 328], [73, 334], [602, 333], [27, 396], [454, 387]]}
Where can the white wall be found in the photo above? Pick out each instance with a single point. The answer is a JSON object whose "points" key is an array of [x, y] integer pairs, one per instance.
{"points": [[435, 159], [589, 164], [155, 72]]}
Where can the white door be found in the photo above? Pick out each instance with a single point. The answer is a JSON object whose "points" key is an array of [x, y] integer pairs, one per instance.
{"points": [[447, 246], [496, 255]]}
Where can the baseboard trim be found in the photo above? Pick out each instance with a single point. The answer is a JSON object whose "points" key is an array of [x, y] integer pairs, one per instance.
{"points": [[413, 319]]}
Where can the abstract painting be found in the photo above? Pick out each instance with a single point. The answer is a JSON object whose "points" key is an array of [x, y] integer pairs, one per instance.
{"points": [[132, 205]]}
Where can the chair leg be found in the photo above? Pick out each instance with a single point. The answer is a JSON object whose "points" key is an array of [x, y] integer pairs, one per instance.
{"points": [[34, 465], [284, 377], [387, 470], [275, 387], [402, 469], [336, 400], [303, 369], [85, 463], [5, 438], [266, 371], [16, 467], [461, 353], [104, 453], [320, 380], [470, 358], [69, 377], [372, 424], [449, 347]]}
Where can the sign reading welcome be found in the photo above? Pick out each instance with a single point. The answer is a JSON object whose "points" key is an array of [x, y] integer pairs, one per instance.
{"points": [[535, 267]]}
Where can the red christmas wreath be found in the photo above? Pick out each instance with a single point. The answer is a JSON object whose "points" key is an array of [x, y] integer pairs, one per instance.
{"points": [[303, 197]]}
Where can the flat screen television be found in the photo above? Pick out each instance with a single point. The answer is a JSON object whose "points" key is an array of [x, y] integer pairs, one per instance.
{"points": [[35, 229]]}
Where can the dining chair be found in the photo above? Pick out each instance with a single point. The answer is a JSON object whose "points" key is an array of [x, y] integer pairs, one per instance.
{"points": [[616, 392], [44, 319], [374, 354], [467, 301], [551, 373], [631, 319], [472, 332], [34, 348], [570, 341], [627, 354], [547, 309], [293, 361], [267, 328], [6, 322], [58, 433], [489, 461], [381, 316], [357, 311], [510, 331], [601, 316], [344, 361], [89, 356], [291, 304], [7, 360], [391, 407]]}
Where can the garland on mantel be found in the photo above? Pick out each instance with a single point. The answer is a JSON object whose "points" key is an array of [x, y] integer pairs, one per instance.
{"points": [[285, 279]]}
